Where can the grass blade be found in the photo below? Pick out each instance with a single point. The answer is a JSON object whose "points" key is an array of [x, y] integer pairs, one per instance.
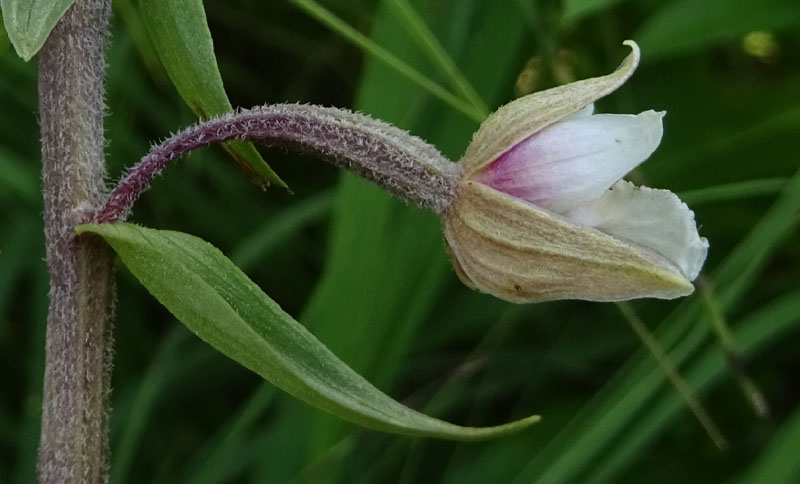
{"points": [[669, 370], [222, 455], [768, 325], [734, 191], [613, 409], [427, 41], [178, 30], [778, 463], [266, 238], [370, 47]]}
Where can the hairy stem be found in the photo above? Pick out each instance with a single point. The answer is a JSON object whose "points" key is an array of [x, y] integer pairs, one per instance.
{"points": [[74, 442], [406, 166]]}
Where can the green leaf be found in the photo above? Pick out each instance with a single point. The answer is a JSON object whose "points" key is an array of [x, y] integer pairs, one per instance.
{"points": [[29, 22], [363, 245], [778, 463], [218, 302], [734, 191], [609, 416], [370, 47], [3, 35], [689, 25], [280, 229], [134, 419], [179, 32], [419, 31], [755, 334], [18, 178], [575, 9]]}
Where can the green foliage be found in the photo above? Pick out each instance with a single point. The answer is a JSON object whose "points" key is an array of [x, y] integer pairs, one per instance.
{"points": [[179, 33], [575, 9], [17, 180], [219, 303], [4, 43], [685, 25], [777, 463], [634, 385], [29, 22], [426, 40], [326, 17], [369, 276], [734, 191]]}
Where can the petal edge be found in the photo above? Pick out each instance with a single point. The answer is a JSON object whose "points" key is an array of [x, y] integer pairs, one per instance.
{"points": [[515, 251], [649, 217], [520, 118], [574, 160]]}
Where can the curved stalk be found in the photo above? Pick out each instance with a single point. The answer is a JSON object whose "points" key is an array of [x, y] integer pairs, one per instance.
{"points": [[404, 165]]}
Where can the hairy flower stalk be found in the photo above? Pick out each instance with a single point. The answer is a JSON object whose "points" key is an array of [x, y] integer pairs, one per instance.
{"points": [[404, 165], [536, 210], [74, 445]]}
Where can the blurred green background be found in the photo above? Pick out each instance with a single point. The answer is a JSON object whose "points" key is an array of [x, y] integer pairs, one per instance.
{"points": [[369, 275]]}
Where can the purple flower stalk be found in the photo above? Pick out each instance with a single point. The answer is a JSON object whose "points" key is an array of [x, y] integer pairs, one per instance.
{"points": [[395, 160], [536, 209]]}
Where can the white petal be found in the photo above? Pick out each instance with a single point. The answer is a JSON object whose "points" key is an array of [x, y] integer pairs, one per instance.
{"points": [[574, 160], [653, 218]]}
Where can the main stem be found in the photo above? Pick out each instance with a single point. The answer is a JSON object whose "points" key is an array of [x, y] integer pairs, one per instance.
{"points": [[74, 442]]}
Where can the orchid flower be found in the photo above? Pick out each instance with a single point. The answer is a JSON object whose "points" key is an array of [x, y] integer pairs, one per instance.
{"points": [[536, 209], [541, 211]]}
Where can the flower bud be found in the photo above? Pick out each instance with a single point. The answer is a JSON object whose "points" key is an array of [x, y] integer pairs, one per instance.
{"points": [[541, 212]]}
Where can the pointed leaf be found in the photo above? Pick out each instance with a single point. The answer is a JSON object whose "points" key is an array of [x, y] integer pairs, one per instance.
{"points": [[29, 22], [210, 295], [179, 32]]}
